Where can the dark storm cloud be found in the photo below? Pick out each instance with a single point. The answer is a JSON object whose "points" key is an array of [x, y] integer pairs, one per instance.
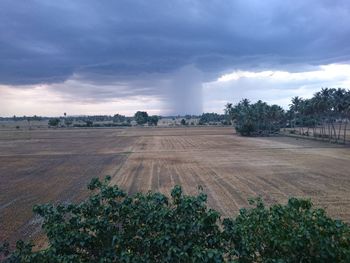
{"points": [[123, 41]]}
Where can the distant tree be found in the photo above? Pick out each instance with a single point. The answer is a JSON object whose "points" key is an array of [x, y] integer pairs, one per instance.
{"points": [[54, 122], [68, 122], [89, 123], [256, 119], [212, 118], [228, 109], [326, 113], [153, 120], [183, 122], [117, 118], [36, 118], [141, 117]]}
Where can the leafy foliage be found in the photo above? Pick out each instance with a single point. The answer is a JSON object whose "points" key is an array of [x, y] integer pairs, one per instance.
{"points": [[54, 122], [256, 119], [291, 233], [153, 120], [213, 118], [321, 113], [141, 117], [326, 115], [118, 118], [111, 226]]}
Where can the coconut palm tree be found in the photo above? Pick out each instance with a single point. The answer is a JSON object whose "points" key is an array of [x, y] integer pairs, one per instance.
{"points": [[295, 109]]}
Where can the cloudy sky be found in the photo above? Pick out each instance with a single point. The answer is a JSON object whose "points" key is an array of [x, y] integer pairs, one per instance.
{"points": [[167, 57]]}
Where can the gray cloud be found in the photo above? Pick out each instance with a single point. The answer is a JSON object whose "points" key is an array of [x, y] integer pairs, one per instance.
{"points": [[125, 48]]}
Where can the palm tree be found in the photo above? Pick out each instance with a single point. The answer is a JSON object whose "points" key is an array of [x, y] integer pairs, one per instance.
{"points": [[295, 109], [229, 112], [346, 111]]}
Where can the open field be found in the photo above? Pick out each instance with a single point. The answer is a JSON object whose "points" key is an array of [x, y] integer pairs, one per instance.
{"points": [[38, 166]]}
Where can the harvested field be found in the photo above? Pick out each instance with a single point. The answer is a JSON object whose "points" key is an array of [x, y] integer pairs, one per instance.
{"points": [[39, 166]]}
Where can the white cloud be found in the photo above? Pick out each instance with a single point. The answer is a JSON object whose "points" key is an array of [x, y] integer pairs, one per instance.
{"points": [[325, 72], [276, 87]]}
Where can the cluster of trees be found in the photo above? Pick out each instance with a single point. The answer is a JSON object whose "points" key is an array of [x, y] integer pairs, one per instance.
{"points": [[213, 118], [54, 122], [183, 122], [67, 122], [23, 118], [325, 115], [29, 119], [255, 118], [111, 226], [141, 118], [118, 118]]}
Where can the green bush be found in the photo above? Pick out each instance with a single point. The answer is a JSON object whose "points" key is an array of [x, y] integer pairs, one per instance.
{"points": [[141, 117], [246, 129], [295, 232], [54, 122], [111, 226]]}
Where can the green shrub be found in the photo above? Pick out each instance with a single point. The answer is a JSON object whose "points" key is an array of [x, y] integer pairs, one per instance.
{"points": [[54, 122], [111, 226], [295, 232], [246, 129]]}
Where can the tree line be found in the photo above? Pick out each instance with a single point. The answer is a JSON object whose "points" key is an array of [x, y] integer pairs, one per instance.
{"points": [[141, 118], [326, 115], [213, 119], [256, 118]]}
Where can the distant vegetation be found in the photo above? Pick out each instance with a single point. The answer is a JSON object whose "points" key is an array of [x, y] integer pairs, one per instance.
{"points": [[326, 115], [117, 118], [213, 119], [256, 119], [141, 117], [111, 226], [153, 120], [54, 122]]}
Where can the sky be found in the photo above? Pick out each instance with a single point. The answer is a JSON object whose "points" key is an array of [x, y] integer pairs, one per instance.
{"points": [[87, 57]]}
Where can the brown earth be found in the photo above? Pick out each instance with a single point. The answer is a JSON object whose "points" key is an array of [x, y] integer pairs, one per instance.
{"points": [[41, 166]]}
